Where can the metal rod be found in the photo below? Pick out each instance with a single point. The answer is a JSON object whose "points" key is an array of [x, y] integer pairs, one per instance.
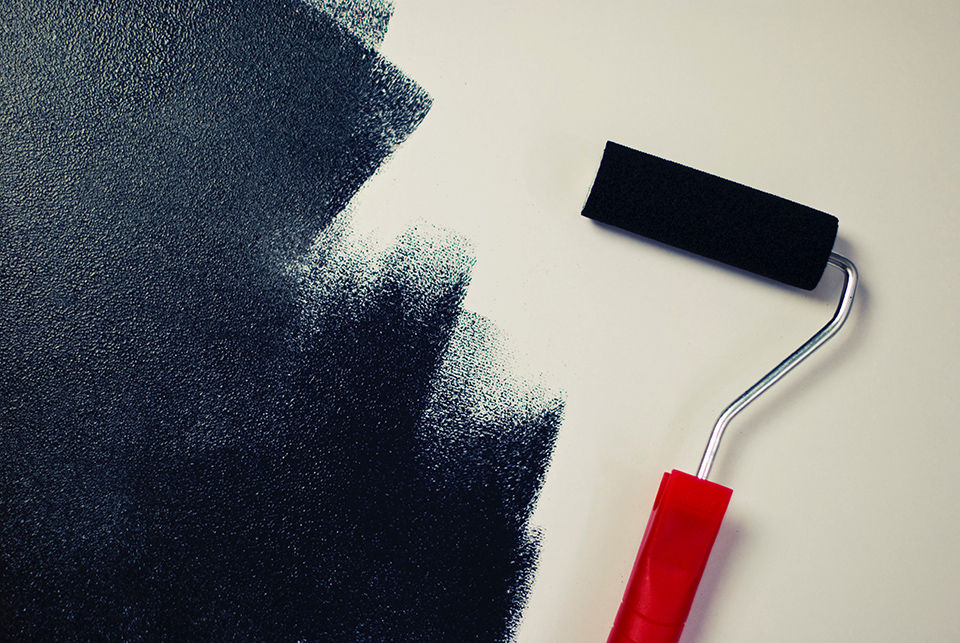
{"points": [[771, 378]]}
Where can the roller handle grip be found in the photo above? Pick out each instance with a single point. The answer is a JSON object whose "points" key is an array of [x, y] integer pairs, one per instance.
{"points": [[681, 531]]}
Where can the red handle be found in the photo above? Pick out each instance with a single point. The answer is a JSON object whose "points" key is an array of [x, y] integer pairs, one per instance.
{"points": [[683, 525]]}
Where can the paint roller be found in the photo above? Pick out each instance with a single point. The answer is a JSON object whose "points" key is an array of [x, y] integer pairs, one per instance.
{"points": [[741, 227]]}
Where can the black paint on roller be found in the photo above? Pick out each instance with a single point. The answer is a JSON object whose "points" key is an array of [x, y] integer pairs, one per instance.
{"points": [[712, 217]]}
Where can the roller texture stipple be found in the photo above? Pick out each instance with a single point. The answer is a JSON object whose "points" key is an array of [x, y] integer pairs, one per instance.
{"points": [[712, 217], [226, 414]]}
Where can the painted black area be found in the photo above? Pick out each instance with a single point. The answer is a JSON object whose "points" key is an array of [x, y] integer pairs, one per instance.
{"points": [[711, 216], [213, 424], [367, 20]]}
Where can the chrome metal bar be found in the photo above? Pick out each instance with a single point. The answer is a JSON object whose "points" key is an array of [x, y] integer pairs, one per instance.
{"points": [[771, 378]]}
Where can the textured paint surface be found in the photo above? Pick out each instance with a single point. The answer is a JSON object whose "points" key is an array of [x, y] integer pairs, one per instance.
{"points": [[221, 417], [367, 20]]}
